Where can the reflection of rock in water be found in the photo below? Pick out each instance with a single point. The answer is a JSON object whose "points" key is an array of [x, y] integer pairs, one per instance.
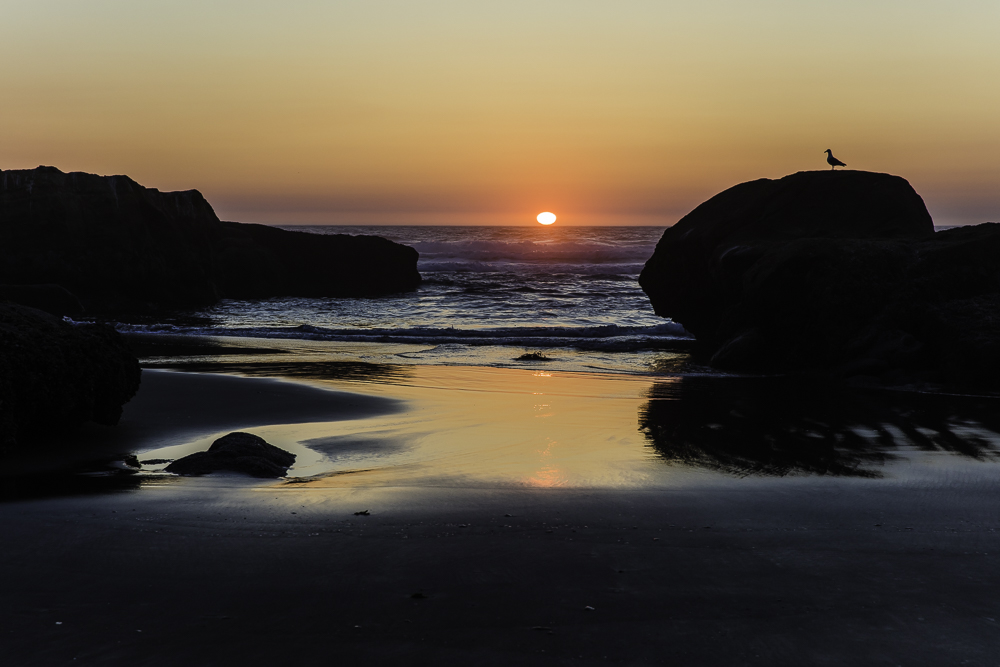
{"points": [[776, 426]]}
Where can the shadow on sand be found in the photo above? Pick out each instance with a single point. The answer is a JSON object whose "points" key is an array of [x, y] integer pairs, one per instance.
{"points": [[99, 475], [778, 426]]}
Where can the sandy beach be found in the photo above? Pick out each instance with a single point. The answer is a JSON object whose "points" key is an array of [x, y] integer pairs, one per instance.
{"points": [[562, 538]]}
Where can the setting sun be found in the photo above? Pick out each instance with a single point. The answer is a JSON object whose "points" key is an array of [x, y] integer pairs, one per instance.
{"points": [[546, 218]]}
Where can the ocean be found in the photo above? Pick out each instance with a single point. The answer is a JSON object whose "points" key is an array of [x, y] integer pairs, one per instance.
{"points": [[564, 297], [562, 305]]}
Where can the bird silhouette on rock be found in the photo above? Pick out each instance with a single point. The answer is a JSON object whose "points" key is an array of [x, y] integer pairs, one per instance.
{"points": [[832, 161]]}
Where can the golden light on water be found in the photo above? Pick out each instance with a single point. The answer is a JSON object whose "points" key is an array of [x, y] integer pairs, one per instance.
{"points": [[546, 218]]}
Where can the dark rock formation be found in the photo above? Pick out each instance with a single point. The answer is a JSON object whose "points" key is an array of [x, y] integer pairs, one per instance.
{"points": [[236, 452], [257, 261], [119, 246], [832, 272], [53, 299], [55, 375]]}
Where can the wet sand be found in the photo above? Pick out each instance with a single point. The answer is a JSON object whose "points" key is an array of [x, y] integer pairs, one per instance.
{"points": [[503, 551]]}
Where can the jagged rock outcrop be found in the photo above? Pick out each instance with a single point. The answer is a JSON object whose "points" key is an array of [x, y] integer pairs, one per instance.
{"points": [[832, 272], [119, 246], [237, 452], [54, 375]]}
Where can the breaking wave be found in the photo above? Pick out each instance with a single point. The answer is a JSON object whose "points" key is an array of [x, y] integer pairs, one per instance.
{"points": [[605, 338]]}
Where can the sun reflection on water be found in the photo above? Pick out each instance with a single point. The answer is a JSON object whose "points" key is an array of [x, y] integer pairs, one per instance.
{"points": [[543, 409], [549, 475], [477, 425]]}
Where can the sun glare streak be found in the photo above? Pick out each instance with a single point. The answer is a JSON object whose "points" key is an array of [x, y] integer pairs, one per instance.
{"points": [[549, 475]]}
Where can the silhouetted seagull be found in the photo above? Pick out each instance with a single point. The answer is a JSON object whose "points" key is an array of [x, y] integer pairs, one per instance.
{"points": [[832, 161]]}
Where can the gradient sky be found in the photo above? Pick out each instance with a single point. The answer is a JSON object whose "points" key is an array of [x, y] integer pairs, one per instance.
{"points": [[489, 112]]}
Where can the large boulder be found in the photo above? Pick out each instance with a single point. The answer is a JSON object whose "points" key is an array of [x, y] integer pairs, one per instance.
{"points": [[55, 375], [119, 246], [833, 272]]}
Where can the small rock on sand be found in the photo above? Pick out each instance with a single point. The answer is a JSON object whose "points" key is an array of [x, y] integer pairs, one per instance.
{"points": [[236, 452]]}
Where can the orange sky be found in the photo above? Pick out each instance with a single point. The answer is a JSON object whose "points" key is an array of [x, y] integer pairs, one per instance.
{"points": [[489, 112]]}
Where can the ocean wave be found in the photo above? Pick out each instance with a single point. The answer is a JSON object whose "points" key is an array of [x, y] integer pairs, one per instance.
{"points": [[567, 252], [609, 338], [534, 268]]}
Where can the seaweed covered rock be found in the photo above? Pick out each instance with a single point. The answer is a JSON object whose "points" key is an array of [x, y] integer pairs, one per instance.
{"points": [[119, 246], [237, 452], [54, 375], [832, 272]]}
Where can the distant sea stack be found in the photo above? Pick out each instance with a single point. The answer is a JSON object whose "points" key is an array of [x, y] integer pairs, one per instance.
{"points": [[118, 246], [839, 273]]}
